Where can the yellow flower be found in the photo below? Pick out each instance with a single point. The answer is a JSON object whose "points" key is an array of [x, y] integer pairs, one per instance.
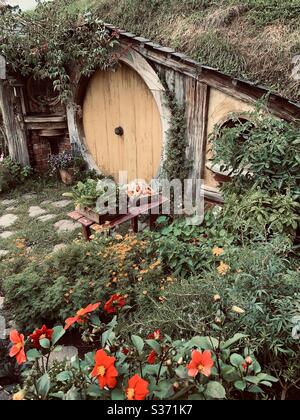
{"points": [[19, 396], [217, 251], [223, 268], [238, 310]]}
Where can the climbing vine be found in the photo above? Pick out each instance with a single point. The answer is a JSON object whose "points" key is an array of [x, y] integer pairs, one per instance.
{"points": [[176, 165], [49, 41]]}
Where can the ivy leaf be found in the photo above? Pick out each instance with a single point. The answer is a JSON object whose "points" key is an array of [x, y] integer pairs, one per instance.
{"points": [[138, 343]]}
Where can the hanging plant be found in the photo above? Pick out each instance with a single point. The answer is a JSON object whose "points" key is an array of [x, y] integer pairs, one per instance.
{"points": [[47, 42]]}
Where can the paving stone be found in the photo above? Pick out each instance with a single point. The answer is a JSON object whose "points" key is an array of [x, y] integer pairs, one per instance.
{"points": [[6, 235], [66, 226], [8, 220], [46, 203], [47, 217], [61, 204], [3, 253], [59, 247], [29, 196], [8, 202], [35, 211]]}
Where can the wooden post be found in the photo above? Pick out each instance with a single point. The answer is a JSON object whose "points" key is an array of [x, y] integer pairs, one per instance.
{"points": [[14, 126]]}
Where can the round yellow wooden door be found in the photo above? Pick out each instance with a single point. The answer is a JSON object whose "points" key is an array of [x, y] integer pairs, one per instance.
{"points": [[122, 124]]}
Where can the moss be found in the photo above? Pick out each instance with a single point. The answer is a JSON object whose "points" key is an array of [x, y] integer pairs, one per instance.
{"points": [[252, 39]]}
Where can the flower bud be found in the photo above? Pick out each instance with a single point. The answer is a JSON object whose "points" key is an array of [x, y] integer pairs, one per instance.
{"points": [[217, 298], [169, 362], [249, 361], [180, 360], [176, 386]]}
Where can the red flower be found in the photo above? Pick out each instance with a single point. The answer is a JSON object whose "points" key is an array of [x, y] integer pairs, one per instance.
{"points": [[137, 389], [156, 335], [115, 302], [81, 315], [39, 335], [200, 363], [151, 358], [105, 370], [17, 349]]}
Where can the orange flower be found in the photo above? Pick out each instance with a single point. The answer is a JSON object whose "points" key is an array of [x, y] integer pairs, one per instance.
{"points": [[151, 358], [217, 251], [81, 315], [105, 370], [223, 268], [39, 334], [137, 389], [200, 363], [17, 349], [115, 302], [156, 335]]}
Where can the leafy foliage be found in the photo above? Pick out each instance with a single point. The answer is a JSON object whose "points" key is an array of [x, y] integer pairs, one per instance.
{"points": [[49, 41], [12, 174]]}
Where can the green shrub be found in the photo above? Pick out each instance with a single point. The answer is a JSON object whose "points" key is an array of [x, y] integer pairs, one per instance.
{"points": [[12, 174], [265, 147]]}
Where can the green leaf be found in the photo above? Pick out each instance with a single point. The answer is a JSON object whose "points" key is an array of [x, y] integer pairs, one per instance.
{"points": [[73, 395], [117, 395], [33, 354], [233, 340], [45, 343], [95, 391], [43, 385], [63, 376], [154, 345], [138, 343], [240, 385], [215, 390], [58, 333], [236, 360]]}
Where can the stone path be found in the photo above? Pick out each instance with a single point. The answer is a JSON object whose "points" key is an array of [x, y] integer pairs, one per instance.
{"points": [[58, 248], [8, 202], [7, 234], [8, 220], [46, 218], [61, 204], [35, 211], [66, 226]]}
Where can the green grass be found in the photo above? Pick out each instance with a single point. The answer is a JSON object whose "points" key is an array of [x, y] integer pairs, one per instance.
{"points": [[252, 39], [38, 237]]}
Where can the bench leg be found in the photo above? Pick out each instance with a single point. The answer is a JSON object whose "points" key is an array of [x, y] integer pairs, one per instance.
{"points": [[135, 224], [152, 221], [86, 231]]}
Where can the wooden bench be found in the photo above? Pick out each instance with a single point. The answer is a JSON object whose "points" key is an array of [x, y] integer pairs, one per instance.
{"points": [[133, 217]]}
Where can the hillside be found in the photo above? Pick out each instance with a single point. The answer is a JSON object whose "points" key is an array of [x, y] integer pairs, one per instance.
{"points": [[252, 39]]}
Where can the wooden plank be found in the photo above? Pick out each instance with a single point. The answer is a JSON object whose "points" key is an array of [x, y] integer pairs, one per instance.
{"points": [[75, 215], [85, 222], [2, 67], [13, 124]]}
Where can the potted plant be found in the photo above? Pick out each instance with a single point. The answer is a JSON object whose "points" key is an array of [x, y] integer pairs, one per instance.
{"points": [[64, 164]]}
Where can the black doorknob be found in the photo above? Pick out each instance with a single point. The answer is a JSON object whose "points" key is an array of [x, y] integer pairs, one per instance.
{"points": [[119, 131]]}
